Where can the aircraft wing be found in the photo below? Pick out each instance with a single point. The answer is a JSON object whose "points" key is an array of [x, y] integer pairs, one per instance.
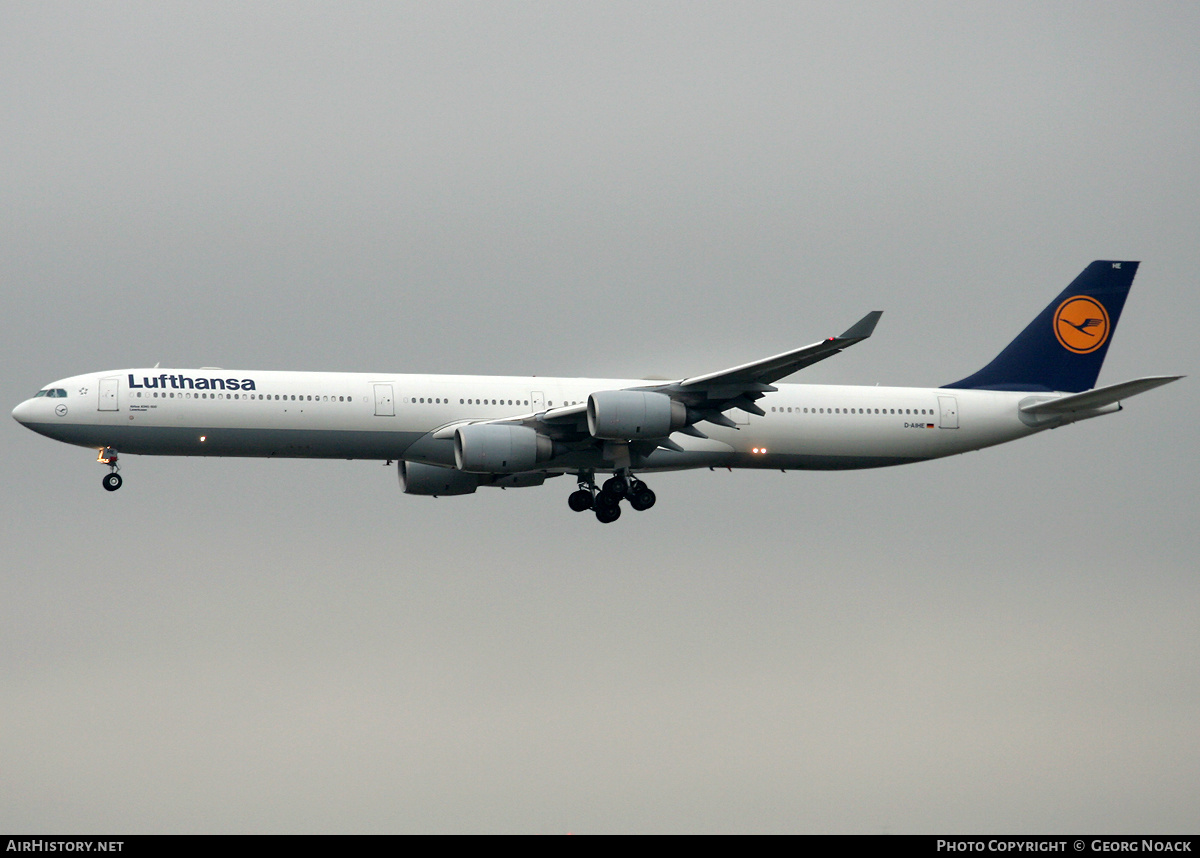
{"points": [[782, 365], [708, 396], [738, 387]]}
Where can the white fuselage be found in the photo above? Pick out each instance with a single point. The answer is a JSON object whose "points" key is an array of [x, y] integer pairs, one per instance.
{"points": [[211, 412]]}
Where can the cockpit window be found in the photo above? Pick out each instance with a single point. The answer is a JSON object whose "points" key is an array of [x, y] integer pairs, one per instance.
{"points": [[52, 393], [41, 393]]}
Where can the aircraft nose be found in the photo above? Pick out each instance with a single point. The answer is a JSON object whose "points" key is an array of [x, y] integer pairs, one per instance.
{"points": [[23, 413]]}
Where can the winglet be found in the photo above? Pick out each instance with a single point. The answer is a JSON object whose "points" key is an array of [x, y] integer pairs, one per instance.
{"points": [[863, 328]]}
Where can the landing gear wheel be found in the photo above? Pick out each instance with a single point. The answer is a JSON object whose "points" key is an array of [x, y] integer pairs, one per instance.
{"points": [[615, 487], [607, 513], [580, 501], [643, 499], [112, 482]]}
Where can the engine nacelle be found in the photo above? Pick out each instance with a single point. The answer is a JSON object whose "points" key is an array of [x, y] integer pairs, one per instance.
{"points": [[499, 448], [419, 479], [625, 415]]}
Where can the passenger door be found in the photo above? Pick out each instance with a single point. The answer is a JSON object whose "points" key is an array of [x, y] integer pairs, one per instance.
{"points": [[385, 405], [108, 394], [948, 405]]}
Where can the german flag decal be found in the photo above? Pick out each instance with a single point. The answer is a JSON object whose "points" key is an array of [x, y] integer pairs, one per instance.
{"points": [[1081, 324]]}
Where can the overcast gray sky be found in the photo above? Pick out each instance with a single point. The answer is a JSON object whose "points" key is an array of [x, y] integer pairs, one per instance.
{"points": [[1000, 642]]}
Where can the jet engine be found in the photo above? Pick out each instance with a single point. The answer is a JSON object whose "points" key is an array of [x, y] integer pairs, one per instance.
{"points": [[419, 479], [624, 415], [499, 448]]}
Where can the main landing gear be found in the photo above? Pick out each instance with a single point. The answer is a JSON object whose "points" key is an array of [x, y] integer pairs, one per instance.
{"points": [[112, 480], [606, 502]]}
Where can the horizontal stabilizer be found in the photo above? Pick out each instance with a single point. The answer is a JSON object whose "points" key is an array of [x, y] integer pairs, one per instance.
{"points": [[1099, 397]]}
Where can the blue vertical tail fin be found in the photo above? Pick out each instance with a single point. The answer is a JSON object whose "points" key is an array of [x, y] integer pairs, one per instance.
{"points": [[1064, 347]]}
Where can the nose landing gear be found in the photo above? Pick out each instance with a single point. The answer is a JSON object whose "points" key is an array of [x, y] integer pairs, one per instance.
{"points": [[112, 480]]}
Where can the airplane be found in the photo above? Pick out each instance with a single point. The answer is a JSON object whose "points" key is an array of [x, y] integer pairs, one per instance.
{"points": [[452, 434]]}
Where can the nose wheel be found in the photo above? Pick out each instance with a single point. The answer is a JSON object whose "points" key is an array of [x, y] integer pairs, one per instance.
{"points": [[112, 480]]}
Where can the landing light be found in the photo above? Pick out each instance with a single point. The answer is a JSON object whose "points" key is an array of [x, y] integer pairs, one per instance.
{"points": [[758, 450], [202, 437]]}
